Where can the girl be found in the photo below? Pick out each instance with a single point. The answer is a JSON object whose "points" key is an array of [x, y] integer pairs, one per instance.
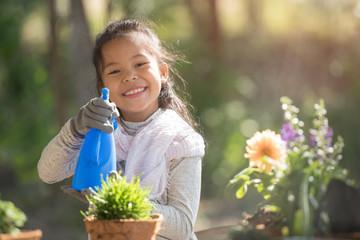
{"points": [[155, 135]]}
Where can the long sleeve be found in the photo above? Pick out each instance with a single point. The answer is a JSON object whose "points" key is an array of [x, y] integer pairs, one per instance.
{"points": [[183, 197], [59, 157]]}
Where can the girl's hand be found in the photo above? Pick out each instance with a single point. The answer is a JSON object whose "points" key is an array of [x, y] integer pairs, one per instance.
{"points": [[97, 113]]}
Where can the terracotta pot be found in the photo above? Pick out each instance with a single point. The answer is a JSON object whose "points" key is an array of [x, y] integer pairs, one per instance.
{"points": [[23, 235], [123, 229]]}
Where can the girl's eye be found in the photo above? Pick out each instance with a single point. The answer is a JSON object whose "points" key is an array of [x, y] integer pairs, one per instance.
{"points": [[114, 72], [140, 64]]}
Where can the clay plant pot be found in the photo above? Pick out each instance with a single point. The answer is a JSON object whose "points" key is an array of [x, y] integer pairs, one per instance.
{"points": [[23, 235], [123, 229]]}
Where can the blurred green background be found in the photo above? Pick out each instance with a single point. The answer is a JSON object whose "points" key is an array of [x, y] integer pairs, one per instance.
{"points": [[244, 55]]}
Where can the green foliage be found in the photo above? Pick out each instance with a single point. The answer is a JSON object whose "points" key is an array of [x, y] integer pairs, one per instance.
{"points": [[118, 199], [11, 218], [25, 93]]}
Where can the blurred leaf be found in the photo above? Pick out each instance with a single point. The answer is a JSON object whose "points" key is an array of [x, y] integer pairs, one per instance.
{"points": [[240, 193]]}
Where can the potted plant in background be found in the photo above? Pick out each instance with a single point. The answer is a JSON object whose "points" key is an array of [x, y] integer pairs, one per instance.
{"points": [[121, 210], [11, 219], [293, 172]]}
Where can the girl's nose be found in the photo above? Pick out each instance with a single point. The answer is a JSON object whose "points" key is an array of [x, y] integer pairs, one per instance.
{"points": [[130, 77]]}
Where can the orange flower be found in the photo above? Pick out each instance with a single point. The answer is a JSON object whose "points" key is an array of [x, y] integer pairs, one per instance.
{"points": [[265, 150]]}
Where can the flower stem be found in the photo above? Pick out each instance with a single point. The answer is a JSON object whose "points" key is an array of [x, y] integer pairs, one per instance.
{"points": [[304, 203]]}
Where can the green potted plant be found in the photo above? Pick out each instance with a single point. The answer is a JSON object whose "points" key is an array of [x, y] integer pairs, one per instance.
{"points": [[121, 210], [11, 219], [293, 172]]}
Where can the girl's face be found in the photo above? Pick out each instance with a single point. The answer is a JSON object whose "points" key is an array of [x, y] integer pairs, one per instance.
{"points": [[133, 77]]}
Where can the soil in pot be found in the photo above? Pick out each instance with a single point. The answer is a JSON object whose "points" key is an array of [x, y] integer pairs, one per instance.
{"points": [[123, 229]]}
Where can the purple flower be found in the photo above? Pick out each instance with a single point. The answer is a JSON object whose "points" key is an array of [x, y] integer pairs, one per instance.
{"points": [[328, 137], [312, 142], [329, 133], [288, 133]]}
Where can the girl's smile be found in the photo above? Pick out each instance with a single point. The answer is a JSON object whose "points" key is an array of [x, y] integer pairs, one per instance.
{"points": [[133, 77], [134, 92]]}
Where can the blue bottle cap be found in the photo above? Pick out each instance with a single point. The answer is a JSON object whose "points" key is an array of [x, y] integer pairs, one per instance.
{"points": [[105, 94]]}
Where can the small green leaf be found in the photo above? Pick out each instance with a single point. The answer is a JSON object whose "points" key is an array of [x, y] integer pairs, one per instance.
{"points": [[240, 193], [260, 188], [267, 196]]}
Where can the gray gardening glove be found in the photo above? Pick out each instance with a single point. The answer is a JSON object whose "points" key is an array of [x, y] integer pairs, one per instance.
{"points": [[97, 113]]}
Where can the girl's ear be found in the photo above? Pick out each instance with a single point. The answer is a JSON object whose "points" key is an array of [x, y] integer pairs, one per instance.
{"points": [[164, 72]]}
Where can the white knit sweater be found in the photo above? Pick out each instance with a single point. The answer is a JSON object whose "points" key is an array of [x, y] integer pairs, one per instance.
{"points": [[179, 196]]}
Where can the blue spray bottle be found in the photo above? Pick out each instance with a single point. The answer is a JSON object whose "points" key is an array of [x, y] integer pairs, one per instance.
{"points": [[97, 156]]}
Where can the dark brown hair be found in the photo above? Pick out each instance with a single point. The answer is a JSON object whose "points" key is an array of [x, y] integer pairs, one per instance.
{"points": [[168, 98]]}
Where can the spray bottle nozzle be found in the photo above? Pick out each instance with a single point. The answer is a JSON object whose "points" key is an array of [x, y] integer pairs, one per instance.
{"points": [[105, 94]]}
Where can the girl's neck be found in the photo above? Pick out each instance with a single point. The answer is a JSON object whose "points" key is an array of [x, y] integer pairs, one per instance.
{"points": [[132, 127], [141, 116]]}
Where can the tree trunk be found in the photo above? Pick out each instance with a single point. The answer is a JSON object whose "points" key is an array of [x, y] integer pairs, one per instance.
{"points": [[205, 18], [215, 35], [55, 73], [81, 55], [109, 7], [253, 10], [197, 17]]}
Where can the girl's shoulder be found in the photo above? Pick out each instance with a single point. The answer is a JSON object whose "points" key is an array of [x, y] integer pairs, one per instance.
{"points": [[186, 145], [169, 119], [186, 142]]}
